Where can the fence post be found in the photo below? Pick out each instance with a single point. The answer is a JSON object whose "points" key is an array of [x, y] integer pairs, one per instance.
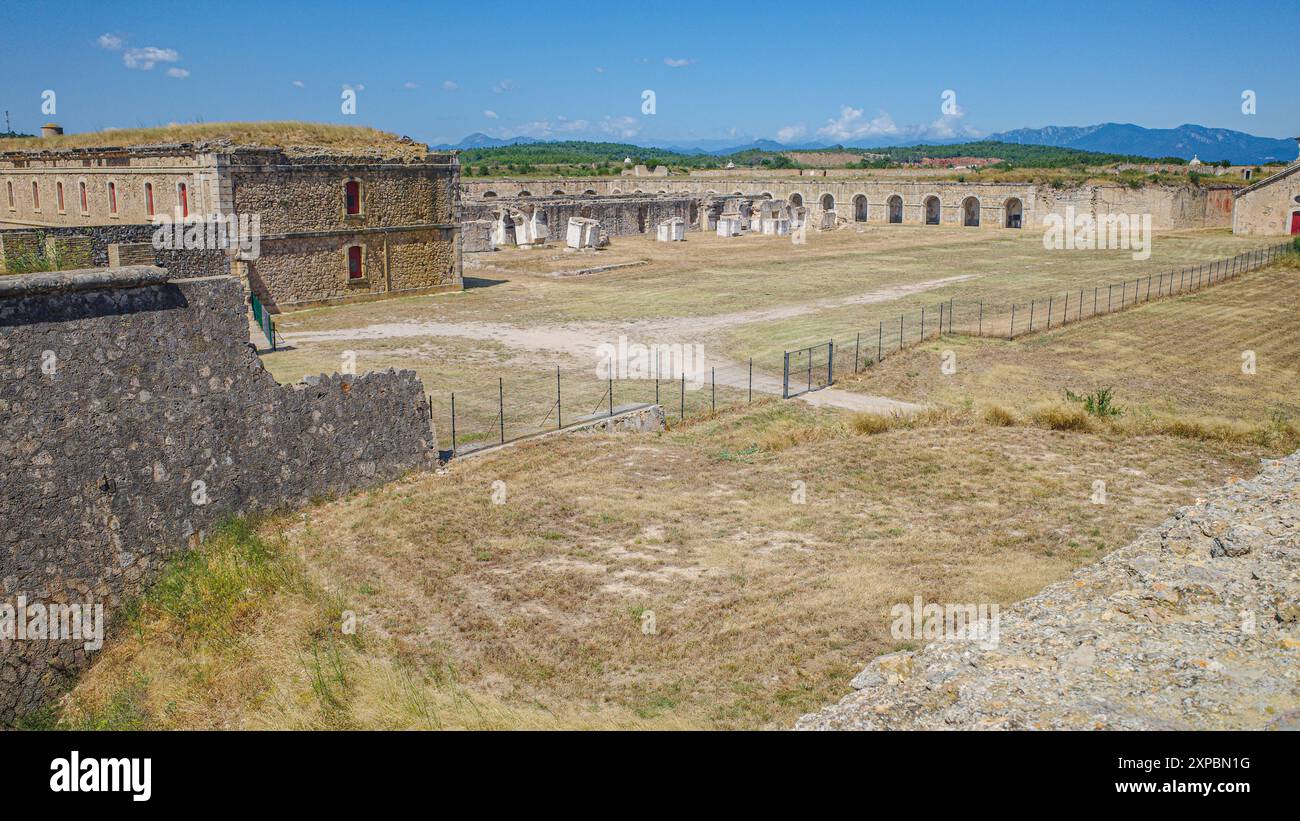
{"points": [[857, 351], [1012, 334], [683, 394], [922, 339], [1049, 313], [809, 369], [830, 363], [713, 387], [981, 327], [1094, 301], [900, 332], [951, 304], [453, 423], [611, 389], [751, 379], [1031, 316], [880, 341], [559, 408], [501, 406]]}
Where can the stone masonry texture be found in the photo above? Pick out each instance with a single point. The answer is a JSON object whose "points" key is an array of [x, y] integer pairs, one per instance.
{"points": [[1194, 625], [134, 417]]}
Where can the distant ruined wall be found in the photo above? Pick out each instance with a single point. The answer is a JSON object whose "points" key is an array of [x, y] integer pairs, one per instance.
{"points": [[619, 216], [134, 416], [1269, 208], [1171, 207]]}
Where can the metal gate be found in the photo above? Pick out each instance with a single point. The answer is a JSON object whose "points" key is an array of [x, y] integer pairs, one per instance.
{"points": [[808, 369]]}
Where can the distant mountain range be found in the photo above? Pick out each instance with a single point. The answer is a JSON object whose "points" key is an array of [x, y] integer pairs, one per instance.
{"points": [[1185, 141]]}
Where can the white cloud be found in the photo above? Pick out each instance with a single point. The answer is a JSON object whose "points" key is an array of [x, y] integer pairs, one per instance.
{"points": [[112, 42], [490, 114], [148, 57], [677, 63], [299, 83], [790, 133], [543, 129], [600, 69], [358, 87], [409, 85], [178, 73], [623, 127], [850, 125], [449, 85], [503, 86]]}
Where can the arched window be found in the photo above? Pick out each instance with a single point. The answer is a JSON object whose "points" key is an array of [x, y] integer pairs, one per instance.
{"points": [[860, 208], [828, 202], [183, 198], [58, 192], [970, 212], [525, 193], [796, 199], [557, 193], [148, 198], [1014, 213], [112, 198], [895, 205], [36, 195], [85, 200], [933, 211], [9, 186], [590, 192], [487, 195], [356, 263], [352, 198]]}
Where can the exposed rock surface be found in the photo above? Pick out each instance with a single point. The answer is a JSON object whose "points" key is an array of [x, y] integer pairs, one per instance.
{"points": [[1191, 626]]}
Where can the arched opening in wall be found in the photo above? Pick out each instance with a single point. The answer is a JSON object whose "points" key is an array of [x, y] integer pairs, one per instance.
{"points": [[641, 214], [524, 194], [557, 192], [860, 208], [932, 210], [828, 202], [737, 193], [487, 195], [638, 191], [970, 212], [895, 204], [694, 212], [616, 191], [590, 192], [1015, 211], [1295, 222], [767, 194], [796, 200], [586, 212], [58, 195], [661, 191]]}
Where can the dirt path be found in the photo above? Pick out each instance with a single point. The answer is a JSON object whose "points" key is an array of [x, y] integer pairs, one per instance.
{"points": [[581, 339]]}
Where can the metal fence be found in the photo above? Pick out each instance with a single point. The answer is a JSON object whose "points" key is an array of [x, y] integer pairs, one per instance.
{"points": [[263, 319], [498, 410]]}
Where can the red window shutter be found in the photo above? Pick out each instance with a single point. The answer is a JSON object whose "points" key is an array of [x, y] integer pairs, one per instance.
{"points": [[112, 197], [148, 197], [85, 203], [58, 189], [36, 194], [354, 262], [353, 197], [185, 200]]}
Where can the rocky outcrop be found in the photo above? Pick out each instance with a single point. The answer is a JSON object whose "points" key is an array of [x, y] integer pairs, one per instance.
{"points": [[1195, 625]]}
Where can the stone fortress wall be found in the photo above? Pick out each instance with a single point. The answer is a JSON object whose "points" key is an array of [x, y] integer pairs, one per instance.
{"points": [[134, 416], [868, 199]]}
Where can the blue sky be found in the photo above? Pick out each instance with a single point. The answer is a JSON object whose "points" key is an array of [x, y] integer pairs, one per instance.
{"points": [[826, 71]]}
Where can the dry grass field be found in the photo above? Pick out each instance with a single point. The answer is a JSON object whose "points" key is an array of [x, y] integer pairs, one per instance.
{"points": [[285, 134], [752, 296], [530, 612]]}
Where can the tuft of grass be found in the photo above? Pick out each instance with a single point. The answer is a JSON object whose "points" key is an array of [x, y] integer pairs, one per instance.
{"points": [[1058, 416], [872, 423], [999, 417]]}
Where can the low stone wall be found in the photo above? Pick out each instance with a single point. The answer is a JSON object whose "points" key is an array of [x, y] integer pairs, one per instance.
{"points": [[97, 241], [134, 416], [1193, 626]]}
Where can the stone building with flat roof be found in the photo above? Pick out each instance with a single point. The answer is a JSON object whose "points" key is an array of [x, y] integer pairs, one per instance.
{"points": [[1270, 207], [330, 225]]}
